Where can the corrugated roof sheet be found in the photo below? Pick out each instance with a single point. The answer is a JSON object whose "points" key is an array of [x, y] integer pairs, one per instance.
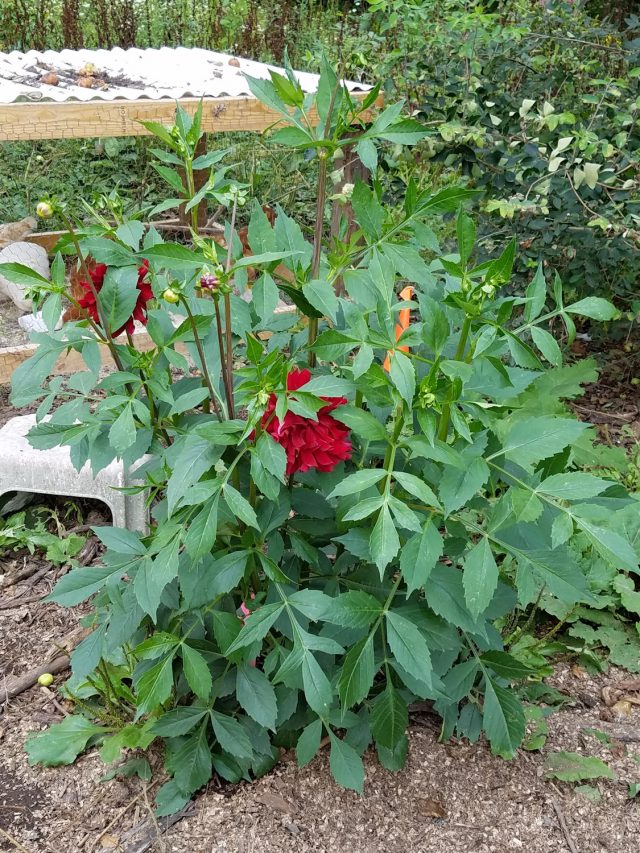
{"points": [[133, 74]]}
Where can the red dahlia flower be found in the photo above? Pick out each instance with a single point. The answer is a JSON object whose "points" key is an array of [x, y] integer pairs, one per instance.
{"points": [[88, 301], [320, 444]]}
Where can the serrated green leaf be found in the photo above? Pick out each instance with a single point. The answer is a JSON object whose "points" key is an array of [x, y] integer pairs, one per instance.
{"points": [[63, 742], [309, 743], [231, 736], [384, 543], [257, 696], [196, 671], [179, 721], [506, 666], [317, 688], [357, 673], [155, 685], [479, 577], [573, 486], [419, 555], [192, 762], [408, 646], [417, 487], [346, 765], [389, 717], [240, 506], [503, 719], [358, 482]]}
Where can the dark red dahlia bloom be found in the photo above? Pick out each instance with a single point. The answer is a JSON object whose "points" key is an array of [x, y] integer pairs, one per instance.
{"points": [[88, 301], [320, 444]]}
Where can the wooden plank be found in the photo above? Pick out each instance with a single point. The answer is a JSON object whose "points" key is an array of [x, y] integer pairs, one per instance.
{"points": [[76, 120]]}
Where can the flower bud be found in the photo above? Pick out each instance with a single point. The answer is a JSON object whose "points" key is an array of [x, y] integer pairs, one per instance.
{"points": [[171, 296], [209, 281], [44, 210], [489, 289]]}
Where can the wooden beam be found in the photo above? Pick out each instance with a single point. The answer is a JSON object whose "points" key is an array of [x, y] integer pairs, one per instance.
{"points": [[98, 118]]}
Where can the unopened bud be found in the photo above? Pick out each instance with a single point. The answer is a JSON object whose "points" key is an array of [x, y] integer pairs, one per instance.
{"points": [[44, 210]]}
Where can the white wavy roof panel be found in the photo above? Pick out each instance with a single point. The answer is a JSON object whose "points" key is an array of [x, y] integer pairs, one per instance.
{"points": [[134, 73]]}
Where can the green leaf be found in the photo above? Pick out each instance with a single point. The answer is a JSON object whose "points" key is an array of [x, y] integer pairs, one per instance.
{"points": [[346, 765], [196, 671], [609, 544], [369, 212], [408, 646], [80, 584], [458, 486], [196, 457], [120, 540], [152, 577], [406, 131], [118, 296], [503, 719], [192, 762], [573, 486], [466, 233], [547, 345], [536, 438], [317, 689], [179, 721], [21, 274], [309, 743], [256, 626], [574, 767], [362, 423], [389, 717], [240, 506], [323, 297], [536, 295], [272, 455], [154, 686], [384, 543], [403, 375], [265, 296], [357, 673], [353, 609], [256, 695], [122, 434], [203, 530], [358, 482], [227, 571], [231, 736], [593, 307], [506, 666], [419, 555], [63, 742], [417, 487], [479, 577]]}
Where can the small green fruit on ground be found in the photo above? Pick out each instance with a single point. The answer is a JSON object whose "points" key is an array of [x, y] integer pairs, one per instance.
{"points": [[45, 680]]}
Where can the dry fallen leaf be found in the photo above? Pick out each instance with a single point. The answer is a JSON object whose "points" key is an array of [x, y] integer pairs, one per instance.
{"points": [[50, 78], [578, 671], [431, 808], [622, 708], [275, 801], [109, 842]]}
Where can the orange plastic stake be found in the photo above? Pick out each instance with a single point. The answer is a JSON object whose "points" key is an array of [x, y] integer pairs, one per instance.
{"points": [[404, 319]]}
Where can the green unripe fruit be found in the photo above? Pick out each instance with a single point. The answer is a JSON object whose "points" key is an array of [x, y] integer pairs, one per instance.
{"points": [[45, 680], [170, 296]]}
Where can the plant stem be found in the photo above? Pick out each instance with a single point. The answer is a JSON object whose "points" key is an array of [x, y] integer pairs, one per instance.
{"points": [[227, 317], [223, 360], [443, 426], [205, 371], [317, 245]]}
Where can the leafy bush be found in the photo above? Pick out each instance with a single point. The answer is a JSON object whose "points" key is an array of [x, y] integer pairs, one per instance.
{"points": [[537, 104], [330, 542]]}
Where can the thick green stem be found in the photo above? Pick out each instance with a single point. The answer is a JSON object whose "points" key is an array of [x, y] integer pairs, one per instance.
{"points": [[317, 245], [443, 426], [205, 370], [228, 365]]}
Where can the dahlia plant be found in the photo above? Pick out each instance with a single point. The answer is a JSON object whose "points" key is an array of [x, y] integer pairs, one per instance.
{"points": [[356, 499]]}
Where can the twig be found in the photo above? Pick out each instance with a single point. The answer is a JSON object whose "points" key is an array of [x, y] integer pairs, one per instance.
{"points": [[83, 528], [564, 828], [19, 600], [24, 682], [119, 814], [51, 698], [24, 573], [14, 841], [147, 832]]}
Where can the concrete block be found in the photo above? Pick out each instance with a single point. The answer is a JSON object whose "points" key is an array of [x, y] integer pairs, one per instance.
{"points": [[50, 472]]}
